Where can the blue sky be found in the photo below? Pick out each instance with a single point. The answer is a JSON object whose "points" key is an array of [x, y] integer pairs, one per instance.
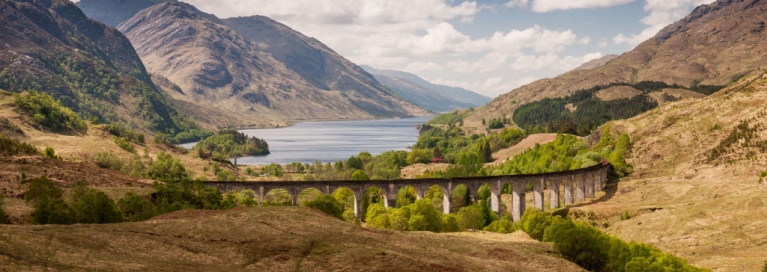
{"points": [[487, 46]]}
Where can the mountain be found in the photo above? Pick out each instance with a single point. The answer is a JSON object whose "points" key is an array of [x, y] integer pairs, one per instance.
{"points": [[595, 62], [439, 98], [713, 45], [249, 71], [92, 68]]}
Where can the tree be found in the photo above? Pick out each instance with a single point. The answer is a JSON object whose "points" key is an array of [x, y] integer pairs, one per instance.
{"points": [[419, 156], [471, 217], [359, 175], [486, 152], [437, 154], [53, 211], [354, 162], [327, 204], [97, 208], [135, 209], [41, 188]]}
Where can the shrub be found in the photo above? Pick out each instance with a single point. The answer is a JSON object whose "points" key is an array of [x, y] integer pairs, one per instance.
{"points": [[450, 223], [53, 211], [230, 143], [106, 159], [134, 208], [48, 112], [471, 217], [125, 144], [274, 170], [625, 215], [359, 175], [14, 147], [122, 132], [327, 204], [166, 168], [41, 188], [96, 207], [50, 153], [503, 225]]}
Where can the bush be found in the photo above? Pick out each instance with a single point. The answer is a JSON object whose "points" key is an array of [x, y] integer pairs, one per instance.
{"points": [[125, 144], [106, 159], [50, 153], [122, 132], [166, 168], [96, 207], [53, 211], [41, 188], [327, 204], [48, 112], [14, 147], [359, 175], [134, 208], [503, 225]]}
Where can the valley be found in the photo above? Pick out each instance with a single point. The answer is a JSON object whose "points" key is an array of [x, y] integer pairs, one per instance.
{"points": [[97, 95]]}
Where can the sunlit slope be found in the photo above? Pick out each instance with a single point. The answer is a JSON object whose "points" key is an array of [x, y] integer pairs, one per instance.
{"points": [[266, 239]]}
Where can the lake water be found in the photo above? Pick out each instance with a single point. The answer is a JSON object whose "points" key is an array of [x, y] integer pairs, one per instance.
{"points": [[332, 141]]}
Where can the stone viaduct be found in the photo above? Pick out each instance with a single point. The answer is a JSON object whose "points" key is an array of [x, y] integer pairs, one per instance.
{"points": [[578, 185]]}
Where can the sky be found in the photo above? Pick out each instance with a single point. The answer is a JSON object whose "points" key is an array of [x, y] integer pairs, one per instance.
{"points": [[486, 46]]}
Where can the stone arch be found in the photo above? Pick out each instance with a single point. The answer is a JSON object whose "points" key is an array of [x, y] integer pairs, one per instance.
{"points": [[397, 188], [356, 196], [302, 192], [278, 195]]}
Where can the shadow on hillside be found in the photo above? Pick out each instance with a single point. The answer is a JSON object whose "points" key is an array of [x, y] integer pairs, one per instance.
{"points": [[610, 189]]}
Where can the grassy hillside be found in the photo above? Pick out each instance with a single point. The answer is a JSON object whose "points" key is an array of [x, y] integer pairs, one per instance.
{"points": [[695, 190], [269, 238]]}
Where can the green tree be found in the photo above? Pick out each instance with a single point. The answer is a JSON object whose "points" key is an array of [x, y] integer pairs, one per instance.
{"points": [[134, 208], [406, 196], [354, 163], [420, 156], [327, 204], [471, 217], [41, 188], [53, 211], [97, 208], [359, 175]]}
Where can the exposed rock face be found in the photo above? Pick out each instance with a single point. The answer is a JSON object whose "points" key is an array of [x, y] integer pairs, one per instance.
{"points": [[712, 45], [251, 71], [92, 68], [438, 98]]}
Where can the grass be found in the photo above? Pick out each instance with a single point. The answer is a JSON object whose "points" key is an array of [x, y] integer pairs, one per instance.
{"points": [[265, 239]]}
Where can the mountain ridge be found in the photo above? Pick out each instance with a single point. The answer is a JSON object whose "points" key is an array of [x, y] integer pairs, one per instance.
{"points": [[724, 48], [251, 71]]}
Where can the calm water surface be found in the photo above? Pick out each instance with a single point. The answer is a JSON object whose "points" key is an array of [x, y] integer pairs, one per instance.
{"points": [[333, 141]]}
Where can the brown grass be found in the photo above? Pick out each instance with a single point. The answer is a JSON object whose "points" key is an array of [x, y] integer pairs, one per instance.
{"points": [[265, 239]]}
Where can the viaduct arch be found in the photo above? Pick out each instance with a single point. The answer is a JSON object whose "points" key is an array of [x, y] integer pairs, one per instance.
{"points": [[578, 184]]}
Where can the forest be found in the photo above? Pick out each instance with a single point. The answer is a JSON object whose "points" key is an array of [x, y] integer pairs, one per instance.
{"points": [[553, 115]]}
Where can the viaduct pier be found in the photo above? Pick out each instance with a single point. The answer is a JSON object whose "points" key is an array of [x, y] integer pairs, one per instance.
{"points": [[578, 185]]}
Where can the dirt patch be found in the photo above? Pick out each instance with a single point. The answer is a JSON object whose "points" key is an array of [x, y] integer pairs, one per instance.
{"points": [[617, 92], [529, 142]]}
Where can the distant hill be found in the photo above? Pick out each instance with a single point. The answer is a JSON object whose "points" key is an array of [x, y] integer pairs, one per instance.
{"points": [[249, 71], [92, 68], [435, 97], [595, 63], [713, 45]]}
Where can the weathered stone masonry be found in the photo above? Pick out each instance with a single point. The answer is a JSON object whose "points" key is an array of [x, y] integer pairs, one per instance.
{"points": [[578, 185]]}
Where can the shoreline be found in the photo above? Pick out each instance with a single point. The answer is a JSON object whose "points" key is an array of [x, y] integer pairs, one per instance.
{"points": [[290, 123]]}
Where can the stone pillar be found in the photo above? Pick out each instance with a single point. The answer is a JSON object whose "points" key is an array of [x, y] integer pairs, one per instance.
{"points": [[261, 193], [518, 199], [569, 180], [554, 192], [446, 205], [589, 183], [294, 195], [580, 188], [538, 193], [357, 207], [495, 201]]}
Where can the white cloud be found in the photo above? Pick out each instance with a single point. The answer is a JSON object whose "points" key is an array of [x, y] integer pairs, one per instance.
{"points": [[551, 61], [661, 14], [603, 43], [516, 3], [543, 6], [584, 40]]}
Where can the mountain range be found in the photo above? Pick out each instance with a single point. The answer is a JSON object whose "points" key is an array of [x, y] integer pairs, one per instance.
{"points": [[52, 46], [714, 45], [246, 71], [435, 97]]}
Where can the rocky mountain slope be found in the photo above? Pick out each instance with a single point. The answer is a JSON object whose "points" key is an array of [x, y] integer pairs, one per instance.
{"points": [[711, 46], [250, 71], [53, 47], [435, 97]]}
